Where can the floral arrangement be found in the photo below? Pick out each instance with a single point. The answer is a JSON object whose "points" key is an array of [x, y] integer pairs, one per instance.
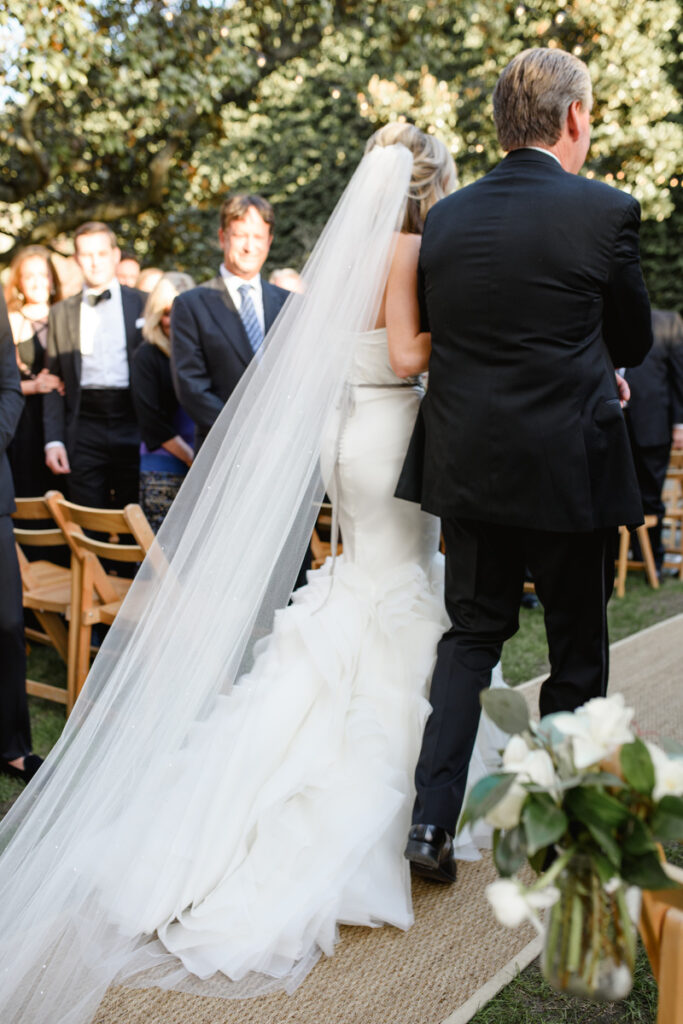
{"points": [[585, 801]]}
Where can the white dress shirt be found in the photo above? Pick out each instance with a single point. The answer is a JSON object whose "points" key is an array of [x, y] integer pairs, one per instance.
{"points": [[540, 149], [233, 283], [104, 356]]}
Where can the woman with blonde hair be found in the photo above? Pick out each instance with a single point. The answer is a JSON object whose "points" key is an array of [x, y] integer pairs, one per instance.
{"points": [[32, 287], [167, 431], [249, 761]]}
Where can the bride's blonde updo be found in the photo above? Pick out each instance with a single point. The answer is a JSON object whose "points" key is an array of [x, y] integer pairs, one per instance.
{"points": [[433, 175]]}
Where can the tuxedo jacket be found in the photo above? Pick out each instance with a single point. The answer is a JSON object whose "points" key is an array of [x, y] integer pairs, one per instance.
{"points": [[60, 413], [11, 405], [210, 349], [531, 286], [656, 402]]}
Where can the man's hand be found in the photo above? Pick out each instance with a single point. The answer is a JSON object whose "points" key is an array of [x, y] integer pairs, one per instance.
{"points": [[677, 438], [57, 460], [623, 390]]}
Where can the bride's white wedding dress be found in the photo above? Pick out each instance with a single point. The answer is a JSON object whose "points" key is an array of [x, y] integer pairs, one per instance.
{"points": [[286, 810]]}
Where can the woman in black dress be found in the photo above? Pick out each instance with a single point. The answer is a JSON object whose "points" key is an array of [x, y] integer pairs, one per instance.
{"points": [[31, 289], [167, 431]]}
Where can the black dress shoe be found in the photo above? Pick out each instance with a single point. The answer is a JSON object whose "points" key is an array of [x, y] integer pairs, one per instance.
{"points": [[430, 852], [31, 765]]}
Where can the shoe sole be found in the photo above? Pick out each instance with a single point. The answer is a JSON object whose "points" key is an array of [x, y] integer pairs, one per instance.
{"points": [[425, 864]]}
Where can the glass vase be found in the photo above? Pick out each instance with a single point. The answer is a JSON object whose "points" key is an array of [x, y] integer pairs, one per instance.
{"points": [[590, 939]]}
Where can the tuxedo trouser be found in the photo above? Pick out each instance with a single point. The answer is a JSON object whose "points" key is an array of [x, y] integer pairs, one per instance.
{"points": [[651, 464], [105, 461], [485, 566], [15, 727]]}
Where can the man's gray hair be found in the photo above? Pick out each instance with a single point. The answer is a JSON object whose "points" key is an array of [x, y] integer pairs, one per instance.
{"points": [[533, 94]]}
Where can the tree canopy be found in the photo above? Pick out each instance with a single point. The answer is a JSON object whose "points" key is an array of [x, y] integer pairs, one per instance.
{"points": [[146, 113]]}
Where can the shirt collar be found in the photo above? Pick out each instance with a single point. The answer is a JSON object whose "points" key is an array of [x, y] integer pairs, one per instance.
{"points": [[235, 282], [113, 286], [540, 149]]}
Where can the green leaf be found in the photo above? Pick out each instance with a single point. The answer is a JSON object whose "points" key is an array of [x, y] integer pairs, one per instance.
{"points": [[608, 845], [637, 838], [484, 796], [637, 767], [602, 779], [510, 851], [592, 805], [604, 867], [667, 820], [646, 871], [544, 822], [506, 709]]}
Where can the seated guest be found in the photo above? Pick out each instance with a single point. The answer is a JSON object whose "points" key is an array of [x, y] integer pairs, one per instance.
{"points": [[167, 431], [148, 279], [128, 270], [31, 289]]}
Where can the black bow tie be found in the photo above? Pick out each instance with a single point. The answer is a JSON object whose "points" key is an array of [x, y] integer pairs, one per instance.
{"points": [[93, 299]]}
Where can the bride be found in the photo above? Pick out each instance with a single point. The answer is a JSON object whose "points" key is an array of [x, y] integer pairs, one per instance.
{"points": [[236, 780]]}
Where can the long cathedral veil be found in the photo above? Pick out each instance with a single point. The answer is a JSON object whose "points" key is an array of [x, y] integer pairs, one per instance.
{"points": [[225, 560]]}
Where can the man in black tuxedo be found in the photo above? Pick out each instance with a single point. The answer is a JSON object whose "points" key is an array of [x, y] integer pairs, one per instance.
{"points": [[654, 416], [91, 432], [531, 287], [16, 758], [217, 328]]}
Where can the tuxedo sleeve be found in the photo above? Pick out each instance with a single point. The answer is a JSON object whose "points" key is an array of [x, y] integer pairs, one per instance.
{"points": [[11, 398], [53, 403], [627, 324], [191, 378]]}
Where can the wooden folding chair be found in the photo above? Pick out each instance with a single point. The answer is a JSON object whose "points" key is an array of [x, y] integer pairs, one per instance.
{"points": [[97, 595], [46, 585], [624, 563], [321, 540]]}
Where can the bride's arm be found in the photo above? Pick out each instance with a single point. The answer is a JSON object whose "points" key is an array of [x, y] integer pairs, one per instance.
{"points": [[409, 347]]}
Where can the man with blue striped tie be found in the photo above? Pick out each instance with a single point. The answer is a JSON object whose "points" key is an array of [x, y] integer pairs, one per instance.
{"points": [[217, 328]]}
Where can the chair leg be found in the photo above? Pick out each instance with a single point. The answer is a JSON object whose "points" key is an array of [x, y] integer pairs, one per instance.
{"points": [[622, 560], [56, 630], [648, 557], [74, 632]]}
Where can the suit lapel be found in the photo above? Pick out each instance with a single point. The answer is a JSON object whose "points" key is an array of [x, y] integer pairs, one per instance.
{"points": [[72, 312], [131, 310], [271, 305], [225, 315]]}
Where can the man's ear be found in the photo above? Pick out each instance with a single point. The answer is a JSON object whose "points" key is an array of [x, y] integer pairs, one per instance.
{"points": [[573, 126]]}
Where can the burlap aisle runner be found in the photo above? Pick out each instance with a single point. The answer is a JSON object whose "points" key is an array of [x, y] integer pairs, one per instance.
{"points": [[455, 957]]}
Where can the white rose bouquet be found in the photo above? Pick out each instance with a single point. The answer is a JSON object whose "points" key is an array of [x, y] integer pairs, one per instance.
{"points": [[586, 802]]}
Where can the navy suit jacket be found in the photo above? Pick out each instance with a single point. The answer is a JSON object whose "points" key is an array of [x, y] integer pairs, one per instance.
{"points": [[209, 348], [532, 288]]}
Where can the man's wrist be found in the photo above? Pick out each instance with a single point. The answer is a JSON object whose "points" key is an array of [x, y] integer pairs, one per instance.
{"points": [[53, 444]]}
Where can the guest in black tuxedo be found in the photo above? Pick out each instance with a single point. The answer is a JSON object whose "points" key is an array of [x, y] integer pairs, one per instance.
{"points": [[532, 290], [91, 432], [217, 327], [654, 416], [16, 758]]}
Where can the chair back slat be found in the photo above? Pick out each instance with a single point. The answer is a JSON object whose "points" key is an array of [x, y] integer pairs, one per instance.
{"points": [[39, 538]]}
